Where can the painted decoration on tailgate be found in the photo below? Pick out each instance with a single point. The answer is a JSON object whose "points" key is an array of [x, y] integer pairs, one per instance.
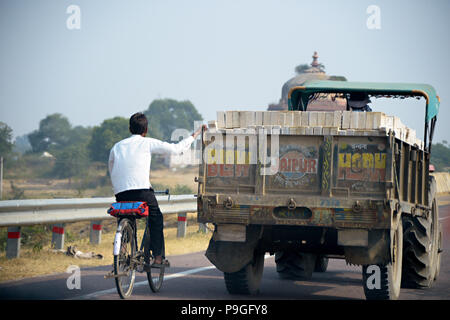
{"points": [[298, 166], [361, 166]]}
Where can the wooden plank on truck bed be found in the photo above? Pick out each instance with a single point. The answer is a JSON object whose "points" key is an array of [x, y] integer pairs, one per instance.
{"points": [[337, 119], [346, 119], [358, 120], [321, 119], [266, 118], [242, 119], [236, 121], [250, 116], [258, 118], [297, 121], [329, 119], [290, 119], [304, 119], [277, 118], [228, 119], [312, 119], [212, 124], [317, 130], [221, 119]]}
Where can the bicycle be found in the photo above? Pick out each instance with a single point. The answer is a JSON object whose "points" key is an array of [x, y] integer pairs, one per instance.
{"points": [[128, 260]]}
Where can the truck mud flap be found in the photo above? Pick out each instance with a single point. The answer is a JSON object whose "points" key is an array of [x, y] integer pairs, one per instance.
{"points": [[230, 256], [377, 251]]}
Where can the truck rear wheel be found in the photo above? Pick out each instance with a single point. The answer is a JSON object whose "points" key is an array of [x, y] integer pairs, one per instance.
{"points": [[421, 256], [248, 279], [383, 282], [438, 260], [295, 265], [321, 264]]}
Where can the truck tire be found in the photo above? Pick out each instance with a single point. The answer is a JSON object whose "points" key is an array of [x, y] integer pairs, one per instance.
{"points": [[383, 282], [421, 256], [247, 280], [295, 265], [321, 264], [438, 262]]}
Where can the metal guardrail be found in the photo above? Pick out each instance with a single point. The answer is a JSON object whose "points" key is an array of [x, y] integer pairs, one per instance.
{"points": [[49, 211], [17, 213]]}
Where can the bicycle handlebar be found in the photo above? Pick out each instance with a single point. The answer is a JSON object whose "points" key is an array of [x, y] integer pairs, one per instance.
{"points": [[162, 192]]}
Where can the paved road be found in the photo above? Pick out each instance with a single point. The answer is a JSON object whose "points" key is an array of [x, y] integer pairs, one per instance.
{"points": [[193, 277]]}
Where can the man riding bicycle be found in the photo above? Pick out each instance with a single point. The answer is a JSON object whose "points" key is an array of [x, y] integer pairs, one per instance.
{"points": [[129, 168]]}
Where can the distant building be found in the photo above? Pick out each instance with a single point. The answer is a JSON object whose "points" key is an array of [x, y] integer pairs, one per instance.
{"points": [[45, 154], [315, 71]]}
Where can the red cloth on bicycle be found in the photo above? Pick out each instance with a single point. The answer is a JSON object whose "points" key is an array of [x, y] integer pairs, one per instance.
{"points": [[129, 208]]}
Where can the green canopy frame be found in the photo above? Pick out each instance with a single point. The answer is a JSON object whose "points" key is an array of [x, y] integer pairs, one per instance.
{"points": [[299, 96]]}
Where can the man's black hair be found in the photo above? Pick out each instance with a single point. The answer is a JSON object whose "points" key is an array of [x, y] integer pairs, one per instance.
{"points": [[138, 123], [358, 96]]}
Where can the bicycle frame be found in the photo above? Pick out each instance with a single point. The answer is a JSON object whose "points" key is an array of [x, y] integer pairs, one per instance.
{"points": [[117, 238]]}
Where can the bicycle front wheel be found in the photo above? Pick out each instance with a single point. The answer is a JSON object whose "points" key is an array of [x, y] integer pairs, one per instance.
{"points": [[123, 266]]}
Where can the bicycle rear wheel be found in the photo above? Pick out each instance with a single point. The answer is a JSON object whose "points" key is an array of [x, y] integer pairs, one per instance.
{"points": [[155, 276], [123, 266]]}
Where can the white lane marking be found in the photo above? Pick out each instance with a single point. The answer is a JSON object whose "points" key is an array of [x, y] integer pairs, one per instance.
{"points": [[141, 283]]}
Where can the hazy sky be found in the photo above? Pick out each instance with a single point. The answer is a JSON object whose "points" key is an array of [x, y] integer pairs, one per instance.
{"points": [[220, 55]]}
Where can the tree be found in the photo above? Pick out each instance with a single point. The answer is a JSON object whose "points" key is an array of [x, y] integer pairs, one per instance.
{"points": [[80, 135], [166, 115], [440, 156], [22, 144], [105, 136], [70, 162], [5, 139], [53, 133]]}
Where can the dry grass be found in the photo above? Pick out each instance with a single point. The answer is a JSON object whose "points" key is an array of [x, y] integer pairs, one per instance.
{"points": [[60, 188], [31, 264], [171, 178]]}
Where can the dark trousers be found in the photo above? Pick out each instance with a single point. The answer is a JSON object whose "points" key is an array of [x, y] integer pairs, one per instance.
{"points": [[154, 221]]}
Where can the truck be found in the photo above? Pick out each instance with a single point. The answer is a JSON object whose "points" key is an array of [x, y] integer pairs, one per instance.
{"points": [[309, 185]]}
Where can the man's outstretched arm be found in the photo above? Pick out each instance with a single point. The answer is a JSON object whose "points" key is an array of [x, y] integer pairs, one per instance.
{"points": [[158, 146]]}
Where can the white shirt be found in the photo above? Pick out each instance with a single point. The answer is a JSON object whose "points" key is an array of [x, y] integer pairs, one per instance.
{"points": [[129, 160]]}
